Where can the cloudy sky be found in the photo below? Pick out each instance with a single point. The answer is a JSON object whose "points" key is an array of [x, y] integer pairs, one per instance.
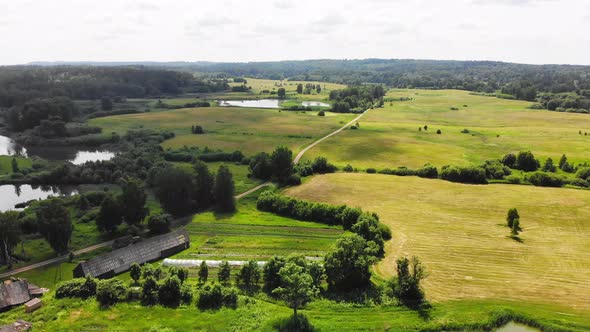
{"points": [[527, 31]]}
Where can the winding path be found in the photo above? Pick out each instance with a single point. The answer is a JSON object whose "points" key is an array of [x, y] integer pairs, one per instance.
{"points": [[64, 258]]}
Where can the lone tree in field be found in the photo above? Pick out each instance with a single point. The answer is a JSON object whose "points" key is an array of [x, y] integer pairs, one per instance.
{"points": [[512, 214], [297, 286], [224, 273], [281, 93], [55, 224], [515, 227], [203, 272], [224, 191], [406, 286]]}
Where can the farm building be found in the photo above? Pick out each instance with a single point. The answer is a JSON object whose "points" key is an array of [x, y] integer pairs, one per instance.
{"points": [[120, 260]]}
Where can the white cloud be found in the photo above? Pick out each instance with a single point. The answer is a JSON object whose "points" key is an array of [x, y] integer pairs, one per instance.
{"points": [[530, 31]]}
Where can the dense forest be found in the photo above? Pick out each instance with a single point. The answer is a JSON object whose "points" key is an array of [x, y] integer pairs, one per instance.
{"points": [[20, 84]]}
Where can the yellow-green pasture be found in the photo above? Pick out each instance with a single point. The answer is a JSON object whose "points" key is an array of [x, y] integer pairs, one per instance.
{"points": [[259, 85], [459, 233], [389, 136], [249, 130]]}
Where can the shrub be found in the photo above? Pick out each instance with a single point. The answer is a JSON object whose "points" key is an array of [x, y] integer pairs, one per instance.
{"points": [[186, 294], [512, 214], [465, 131], [579, 183], [526, 161], [320, 165], [348, 168], [149, 291], [111, 291], [514, 179], [583, 173], [495, 169], [428, 171], [438, 131], [476, 175], [371, 170], [298, 323], [169, 293], [80, 287], [509, 160], [546, 180], [294, 180], [321, 113], [210, 296], [159, 223]]}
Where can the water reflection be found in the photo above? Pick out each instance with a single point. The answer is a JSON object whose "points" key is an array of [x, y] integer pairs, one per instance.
{"points": [[76, 155], [314, 103], [10, 195], [258, 103]]}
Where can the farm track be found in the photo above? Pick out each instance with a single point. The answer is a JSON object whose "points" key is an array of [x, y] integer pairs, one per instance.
{"points": [[176, 222]]}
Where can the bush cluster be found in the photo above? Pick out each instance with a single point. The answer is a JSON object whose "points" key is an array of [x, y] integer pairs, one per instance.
{"points": [[214, 296], [365, 224], [79, 287], [319, 165], [476, 175], [428, 171]]}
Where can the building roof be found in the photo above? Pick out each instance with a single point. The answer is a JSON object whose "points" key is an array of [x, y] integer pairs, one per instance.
{"points": [[120, 260], [13, 292]]}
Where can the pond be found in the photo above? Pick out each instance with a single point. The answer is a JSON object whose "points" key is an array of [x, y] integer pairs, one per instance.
{"points": [[257, 103], [314, 103], [516, 327], [15, 194], [76, 155]]}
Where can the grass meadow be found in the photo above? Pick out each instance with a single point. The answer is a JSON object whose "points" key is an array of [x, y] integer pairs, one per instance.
{"points": [[459, 232], [249, 130], [389, 136], [252, 234]]}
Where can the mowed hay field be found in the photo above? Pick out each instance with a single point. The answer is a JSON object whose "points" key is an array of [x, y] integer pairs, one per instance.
{"points": [[389, 136], [258, 85], [249, 130], [459, 232]]}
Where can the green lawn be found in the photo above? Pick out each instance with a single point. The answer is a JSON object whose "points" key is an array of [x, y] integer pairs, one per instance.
{"points": [[249, 130], [251, 234], [459, 232], [6, 164], [389, 136]]}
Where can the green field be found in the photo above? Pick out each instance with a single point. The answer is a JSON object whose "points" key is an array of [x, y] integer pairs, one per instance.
{"points": [[389, 136], [258, 85], [6, 164], [459, 232], [230, 128], [251, 234]]}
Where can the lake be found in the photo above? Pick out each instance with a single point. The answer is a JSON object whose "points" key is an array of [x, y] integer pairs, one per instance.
{"points": [[14, 194], [257, 103], [76, 155]]}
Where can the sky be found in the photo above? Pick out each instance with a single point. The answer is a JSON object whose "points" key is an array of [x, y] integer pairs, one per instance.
{"points": [[524, 31]]}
